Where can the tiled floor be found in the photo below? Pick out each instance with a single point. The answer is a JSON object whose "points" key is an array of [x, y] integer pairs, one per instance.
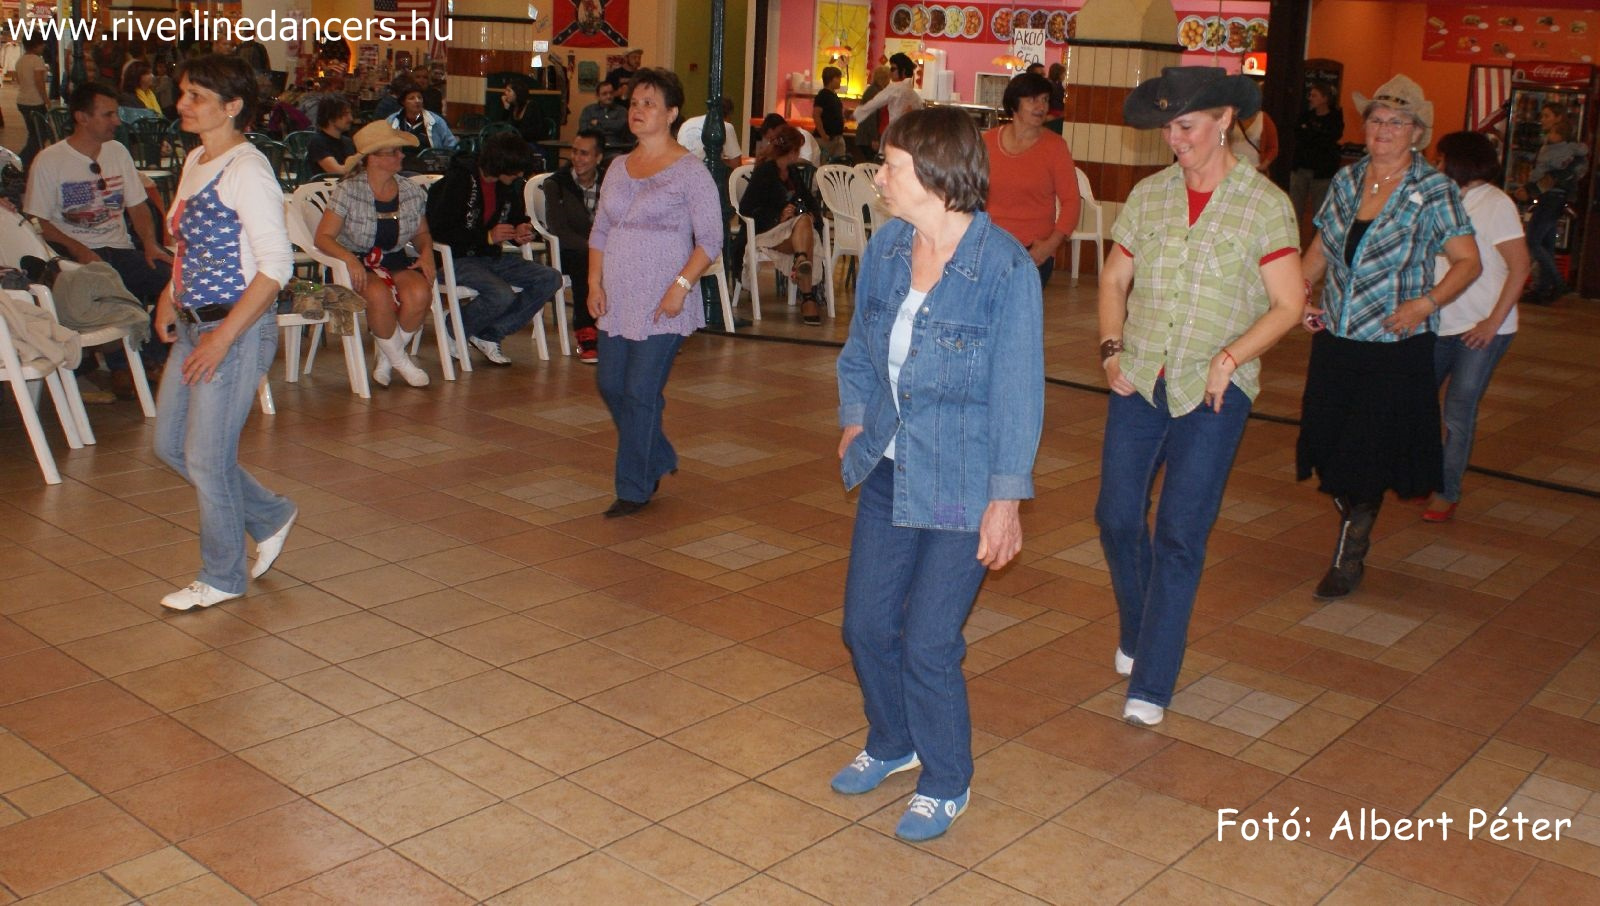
{"points": [[461, 684]]}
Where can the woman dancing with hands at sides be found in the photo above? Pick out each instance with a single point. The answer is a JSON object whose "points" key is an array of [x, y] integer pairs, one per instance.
{"points": [[660, 208], [1204, 278], [233, 256], [941, 401]]}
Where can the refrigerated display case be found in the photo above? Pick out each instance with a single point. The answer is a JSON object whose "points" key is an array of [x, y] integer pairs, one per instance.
{"points": [[1572, 89]]}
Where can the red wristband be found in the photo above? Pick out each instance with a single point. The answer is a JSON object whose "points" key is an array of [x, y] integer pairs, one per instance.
{"points": [[1231, 358]]}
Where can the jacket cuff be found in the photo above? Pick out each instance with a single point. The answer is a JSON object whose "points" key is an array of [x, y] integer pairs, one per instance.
{"points": [[1010, 487], [852, 414]]}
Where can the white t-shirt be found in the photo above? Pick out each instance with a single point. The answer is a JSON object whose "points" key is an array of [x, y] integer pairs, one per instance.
{"points": [[27, 91], [900, 347], [63, 190], [250, 188], [1494, 220], [689, 137]]}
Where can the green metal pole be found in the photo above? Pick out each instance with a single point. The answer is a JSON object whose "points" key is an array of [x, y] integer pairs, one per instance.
{"points": [[714, 138]]}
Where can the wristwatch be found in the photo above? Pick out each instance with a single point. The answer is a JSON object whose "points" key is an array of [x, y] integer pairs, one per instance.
{"points": [[683, 281], [1109, 348]]}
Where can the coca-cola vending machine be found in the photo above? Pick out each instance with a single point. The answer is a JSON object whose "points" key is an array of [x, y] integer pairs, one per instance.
{"points": [[1568, 91]]}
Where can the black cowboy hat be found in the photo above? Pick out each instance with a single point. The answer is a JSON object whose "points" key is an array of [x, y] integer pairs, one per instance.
{"points": [[1183, 89]]}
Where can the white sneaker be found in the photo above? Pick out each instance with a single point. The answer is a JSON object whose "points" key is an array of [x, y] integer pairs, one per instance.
{"points": [[195, 594], [1123, 663], [1142, 713], [268, 548], [393, 354], [490, 349]]}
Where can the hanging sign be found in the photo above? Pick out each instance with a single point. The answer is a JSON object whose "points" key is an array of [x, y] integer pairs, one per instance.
{"points": [[1028, 43]]}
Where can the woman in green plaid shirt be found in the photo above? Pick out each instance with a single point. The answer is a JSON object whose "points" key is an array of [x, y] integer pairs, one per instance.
{"points": [[1204, 278]]}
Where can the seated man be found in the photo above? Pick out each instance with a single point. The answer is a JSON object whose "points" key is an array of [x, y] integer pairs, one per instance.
{"points": [[474, 208], [79, 190], [327, 151], [689, 136], [607, 117], [430, 128], [571, 196]]}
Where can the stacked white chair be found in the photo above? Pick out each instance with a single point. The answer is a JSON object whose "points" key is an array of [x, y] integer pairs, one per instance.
{"points": [[68, 406]]}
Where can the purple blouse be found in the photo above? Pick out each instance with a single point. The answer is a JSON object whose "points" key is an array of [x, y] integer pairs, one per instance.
{"points": [[655, 224]]}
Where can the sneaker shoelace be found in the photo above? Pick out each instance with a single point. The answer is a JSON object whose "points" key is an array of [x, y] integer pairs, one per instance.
{"points": [[862, 762], [925, 806], [195, 588]]}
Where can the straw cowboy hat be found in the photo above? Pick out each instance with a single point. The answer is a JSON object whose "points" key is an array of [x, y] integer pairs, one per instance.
{"points": [[1402, 94], [1184, 89], [377, 136]]}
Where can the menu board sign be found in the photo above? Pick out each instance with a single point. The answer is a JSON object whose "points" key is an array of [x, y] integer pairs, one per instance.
{"points": [[985, 22], [1496, 35]]}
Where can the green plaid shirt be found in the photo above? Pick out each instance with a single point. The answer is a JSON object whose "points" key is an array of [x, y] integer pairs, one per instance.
{"points": [[1196, 289]]}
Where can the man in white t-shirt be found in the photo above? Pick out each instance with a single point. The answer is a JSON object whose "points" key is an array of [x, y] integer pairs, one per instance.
{"points": [[690, 132], [80, 188]]}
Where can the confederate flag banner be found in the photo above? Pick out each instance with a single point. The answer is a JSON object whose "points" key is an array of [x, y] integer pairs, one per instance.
{"points": [[591, 23]]}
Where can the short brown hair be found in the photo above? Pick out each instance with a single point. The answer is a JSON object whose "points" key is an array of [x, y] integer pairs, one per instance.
{"points": [[947, 154], [663, 80], [230, 77]]}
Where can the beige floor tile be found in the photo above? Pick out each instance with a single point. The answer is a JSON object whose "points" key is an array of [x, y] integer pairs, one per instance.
{"points": [[351, 636], [487, 701], [94, 890], [155, 871], [748, 740], [492, 851], [857, 864], [274, 657], [378, 585], [1033, 781], [506, 639], [202, 798], [1061, 865], [404, 800], [201, 678], [1173, 886], [59, 624], [659, 703], [1275, 871], [568, 738], [281, 847], [134, 648], [491, 768], [755, 824], [416, 667], [339, 689], [656, 779], [595, 878], [580, 670], [439, 611], [680, 862], [742, 672], [764, 891], [205, 890], [381, 877], [40, 853], [1368, 885], [1154, 826], [987, 827], [825, 704], [324, 756], [972, 889], [22, 764], [662, 642], [254, 716], [591, 818]]}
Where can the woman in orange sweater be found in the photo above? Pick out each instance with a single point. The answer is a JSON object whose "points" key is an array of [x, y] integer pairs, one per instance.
{"points": [[1033, 183]]}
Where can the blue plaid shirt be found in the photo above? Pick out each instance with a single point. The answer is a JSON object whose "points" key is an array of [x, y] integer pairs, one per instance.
{"points": [[1394, 261]]}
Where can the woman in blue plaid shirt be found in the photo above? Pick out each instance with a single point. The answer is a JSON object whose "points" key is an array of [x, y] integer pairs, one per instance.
{"points": [[1370, 415]]}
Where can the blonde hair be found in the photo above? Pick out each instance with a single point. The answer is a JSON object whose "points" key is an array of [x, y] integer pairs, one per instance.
{"points": [[880, 76]]}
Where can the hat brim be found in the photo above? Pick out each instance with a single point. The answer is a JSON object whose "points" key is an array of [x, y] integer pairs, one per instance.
{"points": [[1423, 112], [404, 140], [1141, 110]]}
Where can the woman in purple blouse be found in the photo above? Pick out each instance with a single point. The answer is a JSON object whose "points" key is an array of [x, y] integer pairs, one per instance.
{"points": [[661, 220]]}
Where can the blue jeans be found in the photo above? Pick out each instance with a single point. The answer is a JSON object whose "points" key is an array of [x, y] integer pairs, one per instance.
{"points": [[632, 376], [906, 596], [197, 434], [1155, 576], [1469, 371], [1542, 225], [500, 309]]}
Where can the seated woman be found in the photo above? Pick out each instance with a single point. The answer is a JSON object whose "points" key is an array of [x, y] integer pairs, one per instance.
{"points": [[519, 110], [138, 99], [369, 220], [778, 194], [331, 146]]}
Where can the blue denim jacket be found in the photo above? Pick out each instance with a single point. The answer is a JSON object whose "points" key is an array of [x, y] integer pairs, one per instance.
{"points": [[971, 389]]}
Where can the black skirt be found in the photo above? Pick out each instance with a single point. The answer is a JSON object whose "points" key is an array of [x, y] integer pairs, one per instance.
{"points": [[1369, 419]]}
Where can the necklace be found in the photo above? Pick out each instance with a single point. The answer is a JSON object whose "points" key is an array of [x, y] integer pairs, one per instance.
{"points": [[1377, 183]]}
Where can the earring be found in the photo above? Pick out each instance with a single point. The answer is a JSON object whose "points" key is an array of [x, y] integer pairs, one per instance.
{"points": [[1222, 139]]}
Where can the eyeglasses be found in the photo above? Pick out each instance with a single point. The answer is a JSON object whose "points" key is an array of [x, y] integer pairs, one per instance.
{"points": [[94, 167], [1377, 123]]}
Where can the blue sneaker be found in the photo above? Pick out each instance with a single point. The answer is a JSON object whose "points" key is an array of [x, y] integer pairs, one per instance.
{"points": [[927, 817], [865, 773]]}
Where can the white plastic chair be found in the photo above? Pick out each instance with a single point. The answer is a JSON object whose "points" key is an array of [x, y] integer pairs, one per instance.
{"points": [[738, 181], [848, 234], [18, 239], [533, 197], [1088, 210], [867, 196], [13, 372], [302, 213]]}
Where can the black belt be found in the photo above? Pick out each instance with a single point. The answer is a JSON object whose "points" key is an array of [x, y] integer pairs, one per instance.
{"points": [[204, 314]]}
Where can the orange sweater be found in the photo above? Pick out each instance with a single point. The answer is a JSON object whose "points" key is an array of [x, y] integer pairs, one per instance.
{"points": [[1023, 188]]}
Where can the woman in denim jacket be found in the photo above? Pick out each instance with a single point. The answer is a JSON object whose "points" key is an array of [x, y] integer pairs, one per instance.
{"points": [[941, 398]]}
